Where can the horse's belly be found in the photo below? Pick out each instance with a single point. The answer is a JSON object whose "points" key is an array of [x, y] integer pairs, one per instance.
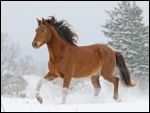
{"points": [[87, 71]]}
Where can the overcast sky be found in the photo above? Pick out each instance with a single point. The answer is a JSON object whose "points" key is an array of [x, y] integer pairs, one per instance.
{"points": [[19, 19]]}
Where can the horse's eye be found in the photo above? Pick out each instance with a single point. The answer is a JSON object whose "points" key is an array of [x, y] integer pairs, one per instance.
{"points": [[42, 30]]}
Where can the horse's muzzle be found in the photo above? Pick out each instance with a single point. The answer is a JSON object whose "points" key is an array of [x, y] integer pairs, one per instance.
{"points": [[35, 44]]}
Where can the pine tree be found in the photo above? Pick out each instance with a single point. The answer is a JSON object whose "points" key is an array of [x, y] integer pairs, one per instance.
{"points": [[143, 66], [128, 35]]}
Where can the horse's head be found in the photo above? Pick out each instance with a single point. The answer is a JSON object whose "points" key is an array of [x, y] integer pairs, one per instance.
{"points": [[43, 34]]}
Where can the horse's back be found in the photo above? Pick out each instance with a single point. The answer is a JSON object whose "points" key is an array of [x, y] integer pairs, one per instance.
{"points": [[100, 49]]}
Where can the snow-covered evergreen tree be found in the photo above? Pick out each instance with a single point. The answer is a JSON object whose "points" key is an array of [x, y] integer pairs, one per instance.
{"points": [[143, 66], [128, 35]]}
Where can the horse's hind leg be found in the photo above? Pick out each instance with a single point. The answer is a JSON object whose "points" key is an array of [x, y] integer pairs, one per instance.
{"points": [[107, 73], [115, 81], [96, 83]]}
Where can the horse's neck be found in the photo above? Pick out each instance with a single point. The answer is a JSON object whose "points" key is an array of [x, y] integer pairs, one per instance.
{"points": [[56, 46]]}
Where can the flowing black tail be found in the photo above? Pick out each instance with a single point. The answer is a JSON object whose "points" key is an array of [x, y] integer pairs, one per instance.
{"points": [[124, 72]]}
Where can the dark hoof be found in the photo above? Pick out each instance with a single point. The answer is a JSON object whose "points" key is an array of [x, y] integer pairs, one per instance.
{"points": [[40, 100]]}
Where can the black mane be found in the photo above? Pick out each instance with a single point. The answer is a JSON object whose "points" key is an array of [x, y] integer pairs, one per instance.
{"points": [[64, 30]]}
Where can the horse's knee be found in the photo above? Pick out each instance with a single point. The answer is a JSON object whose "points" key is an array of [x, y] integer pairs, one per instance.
{"points": [[49, 76]]}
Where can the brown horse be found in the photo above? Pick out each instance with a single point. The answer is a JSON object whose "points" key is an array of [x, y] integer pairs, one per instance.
{"points": [[67, 60]]}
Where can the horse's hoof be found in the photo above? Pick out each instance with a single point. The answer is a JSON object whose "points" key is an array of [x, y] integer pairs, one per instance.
{"points": [[118, 99], [39, 99]]}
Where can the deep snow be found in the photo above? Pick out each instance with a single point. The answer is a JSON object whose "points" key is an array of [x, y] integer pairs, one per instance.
{"points": [[77, 100]]}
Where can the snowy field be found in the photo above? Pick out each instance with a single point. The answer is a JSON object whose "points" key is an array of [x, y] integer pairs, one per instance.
{"points": [[27, 105], [78, 100]]}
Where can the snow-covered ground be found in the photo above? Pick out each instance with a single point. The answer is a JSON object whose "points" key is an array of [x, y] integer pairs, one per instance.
{"points": [[27, 105], [78, 100]]}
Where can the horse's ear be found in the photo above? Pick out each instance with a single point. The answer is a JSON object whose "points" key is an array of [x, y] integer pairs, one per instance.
{"points": [[44, 21], [38, 21], [52, 18]]}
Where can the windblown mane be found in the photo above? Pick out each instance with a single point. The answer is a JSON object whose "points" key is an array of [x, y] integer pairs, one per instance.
{"points": [[64, 30]]}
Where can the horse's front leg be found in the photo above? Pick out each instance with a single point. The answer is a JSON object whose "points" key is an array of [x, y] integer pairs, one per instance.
{"points": [[49, 76], [66, 83]]}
